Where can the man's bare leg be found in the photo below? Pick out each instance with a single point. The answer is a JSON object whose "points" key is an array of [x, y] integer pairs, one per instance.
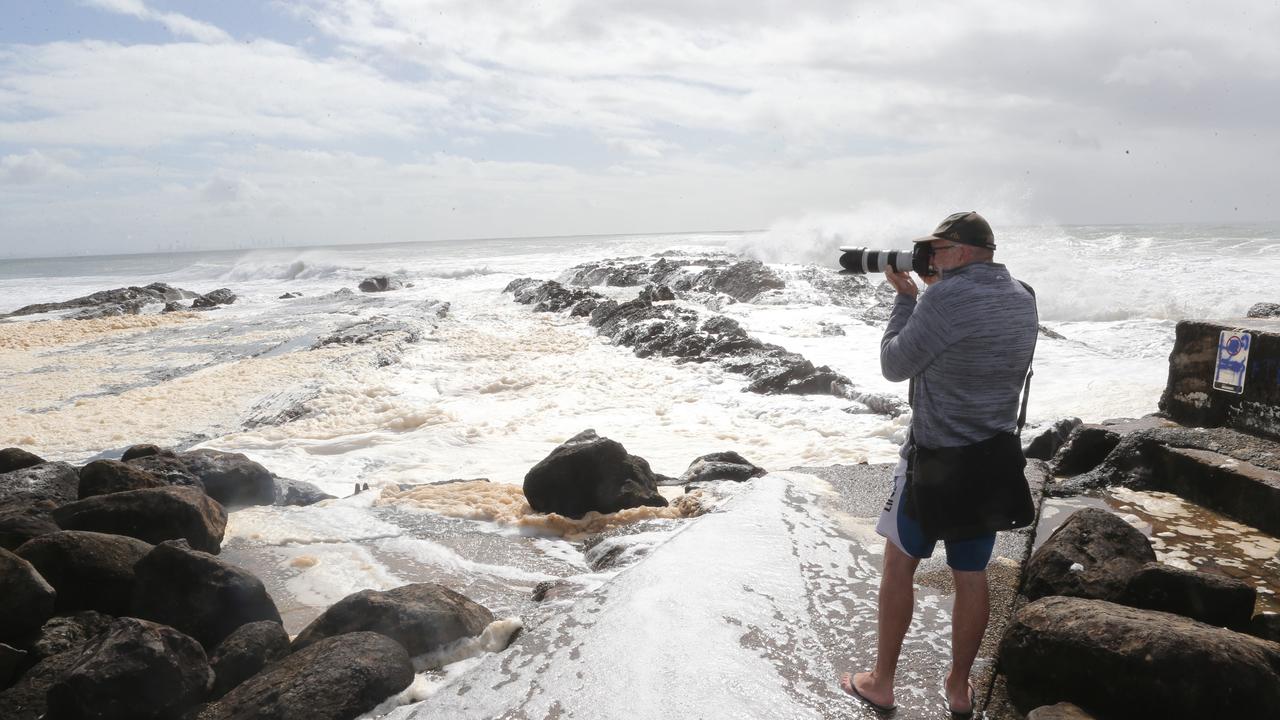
{"points": [[968, 623], [897, 604]]}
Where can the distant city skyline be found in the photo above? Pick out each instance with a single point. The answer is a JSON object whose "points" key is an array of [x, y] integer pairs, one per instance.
{"points": [[135, 125]]}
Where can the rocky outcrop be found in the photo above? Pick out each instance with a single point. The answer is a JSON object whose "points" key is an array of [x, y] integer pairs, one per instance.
{"points": [[134, 452], [103, 477], [1211, 599], [337, 678], [589, 473], [1084, 449], [1190, 396], [1091, 555], [298, 492], [136, 670], [26, 602], [126, 297], [1072, 648], [1047, 443], [380, 283], [56, 482], [1264, 310], [245, 652], [230, 478], [727, 465], [197, 593], [89, 570], [210, 300], [167, 467], [16, 459], [152, 515], [422, 617]]}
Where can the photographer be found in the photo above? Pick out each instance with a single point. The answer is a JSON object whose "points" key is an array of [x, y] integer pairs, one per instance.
{"points": [[966, 345]]}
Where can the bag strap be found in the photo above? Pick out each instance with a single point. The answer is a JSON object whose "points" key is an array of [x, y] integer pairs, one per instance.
{"points": [[1026, 387]]}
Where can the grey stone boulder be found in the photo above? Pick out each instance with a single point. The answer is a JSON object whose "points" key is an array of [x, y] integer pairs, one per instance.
{"points": [[166, 466], [197, 593], [1264, 310], [657, 293], [136, 670], [56, 482], [134, 452], [743, 281], [1059, 711], [1211, 599], [17, 459], [380, 283], [89, 570], [1091, 555], [26, 602], [337, 678], [231, 478], [298, 492], [422, 617], [245, 652], [1045, 445], [103, 477], [221, 296], [727, 465], [1126, 662], [67, 632], [152, 515], [20, 522], [1084, 449], [590, 473]]}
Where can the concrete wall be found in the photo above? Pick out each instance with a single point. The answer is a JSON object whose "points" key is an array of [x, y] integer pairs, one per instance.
{"points": [[1189, 396]]}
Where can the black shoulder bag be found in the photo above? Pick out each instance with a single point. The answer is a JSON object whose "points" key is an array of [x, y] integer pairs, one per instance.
{"points": [[957, 493]]}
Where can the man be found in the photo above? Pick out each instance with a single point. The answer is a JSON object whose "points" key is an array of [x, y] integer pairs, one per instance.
{"points": [[966, 344]]}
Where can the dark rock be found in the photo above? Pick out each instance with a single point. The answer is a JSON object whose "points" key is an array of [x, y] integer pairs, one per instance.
{"points": [[1105, 551], [245, 652], [1085, 448], [11, 660], [67, 632], [727, 465], [56, 482], [1045, 445], [166, 466], [153, 515], [290, 295], [657, 293], [27, 698], [197, 593], [173, 307], [1127, 663], [129, 307], [145, 450], [371, 330], [830, 329], [1060, 711], [422, 617], [27, 601], [231, 478], [1190, 397], [590, 473], [1266, 625], [103, 477], [549, 590], [337, 678], [298, 492], [743, 281], [21, 522], [1211, 599], [1264, 310], [17, 459], [89, 570], [221, 296], [380, 283], [137, 670], [127, 296]]}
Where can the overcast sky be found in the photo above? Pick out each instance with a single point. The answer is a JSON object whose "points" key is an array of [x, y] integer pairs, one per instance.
{"points": [[135, 125]]}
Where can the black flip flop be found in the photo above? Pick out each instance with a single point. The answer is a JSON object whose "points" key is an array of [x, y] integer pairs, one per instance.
{"points": [[973, 705], [853, 692]]}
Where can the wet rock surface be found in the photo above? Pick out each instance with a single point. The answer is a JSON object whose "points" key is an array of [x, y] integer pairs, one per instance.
{"points": [[210, 300], [152, 515], [65, 632], [232, 479], [20, 522], [1047, 443], [380, 283], [17, 459], [1092, 555], [1211, 599], [727, 465], [103, 477], [298, 492], [590, 473], [120, 301], [89, 570], [27, 599], [245, 652], [55, 482], [1264, 310]]}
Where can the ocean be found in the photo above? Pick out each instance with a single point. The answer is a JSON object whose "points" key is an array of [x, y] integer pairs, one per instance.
{"points": [[489, 387]]}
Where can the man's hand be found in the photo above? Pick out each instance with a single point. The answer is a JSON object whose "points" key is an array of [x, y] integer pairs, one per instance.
{"points": [[902, 282]]}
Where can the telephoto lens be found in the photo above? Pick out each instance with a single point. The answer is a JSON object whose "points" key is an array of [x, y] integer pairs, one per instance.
{"points": [[858, 260]]}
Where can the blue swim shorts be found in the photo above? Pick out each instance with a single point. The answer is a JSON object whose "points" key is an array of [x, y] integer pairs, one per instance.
{"points": [[970, 555]]}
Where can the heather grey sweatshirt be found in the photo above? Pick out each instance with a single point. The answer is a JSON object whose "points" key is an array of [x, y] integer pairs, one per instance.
{"points": [[967, 342]]}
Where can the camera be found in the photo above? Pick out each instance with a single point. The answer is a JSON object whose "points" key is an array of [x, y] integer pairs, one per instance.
{"points": [[859, 260]]}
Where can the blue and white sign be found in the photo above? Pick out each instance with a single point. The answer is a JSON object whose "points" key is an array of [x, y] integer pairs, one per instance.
{"points": [[1233, 358]]}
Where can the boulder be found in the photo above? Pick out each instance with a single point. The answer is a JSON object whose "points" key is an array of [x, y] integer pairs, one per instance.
{"points": [[1211, 599], [1060, 711], [27, 698], [380, 283], [137, 670], [67, 632], [144, 450], [1085, 448], [337, 678], [298, 492], [743, 281], [1091, 555], [153, 515], [21, 522], [56, 482], [1172, 667], [166, 466], [290, 296], [16, 459], [231, 478], [422, 617], [657, 293], [727, 465], [1266, 625], [26, 602], [103, 477], [1190, 396], [1264, 310], [590, 473], [245, 652], [171, 307], [197, 593], [132, 296], [89, 570], [1045, 445], [221, 296]]}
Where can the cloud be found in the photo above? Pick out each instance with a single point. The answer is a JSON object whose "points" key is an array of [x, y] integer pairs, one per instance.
{"points": [[176, 23], [33, 168]]}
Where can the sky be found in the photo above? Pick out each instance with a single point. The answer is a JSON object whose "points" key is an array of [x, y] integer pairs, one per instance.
{"points": [[143, 125]]}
